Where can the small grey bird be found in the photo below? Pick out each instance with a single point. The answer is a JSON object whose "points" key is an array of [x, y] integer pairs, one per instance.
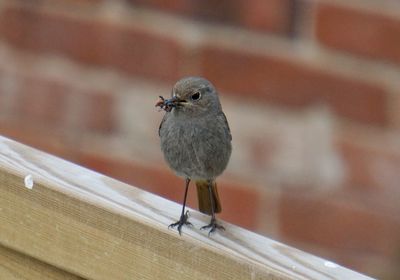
{"points": [[196, 142]]}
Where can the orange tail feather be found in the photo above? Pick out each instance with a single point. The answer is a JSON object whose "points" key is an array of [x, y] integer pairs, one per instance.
{"points": [[204, 200]]}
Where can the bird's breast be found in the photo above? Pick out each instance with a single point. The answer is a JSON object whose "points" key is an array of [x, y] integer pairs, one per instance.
{"points": [[195, 148]]}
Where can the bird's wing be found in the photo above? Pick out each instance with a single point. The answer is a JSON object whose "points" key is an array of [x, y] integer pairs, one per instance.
{"points": [[227, 125], [161, 123]]}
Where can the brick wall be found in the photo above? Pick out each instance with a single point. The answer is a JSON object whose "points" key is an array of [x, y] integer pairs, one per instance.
{"points": [[311, 90]]}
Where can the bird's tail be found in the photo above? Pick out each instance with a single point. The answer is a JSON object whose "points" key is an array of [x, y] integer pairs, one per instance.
{"points": [[204, 199]]}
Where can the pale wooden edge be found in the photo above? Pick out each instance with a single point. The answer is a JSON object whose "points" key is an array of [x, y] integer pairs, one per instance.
{"points": [[96, 227]]}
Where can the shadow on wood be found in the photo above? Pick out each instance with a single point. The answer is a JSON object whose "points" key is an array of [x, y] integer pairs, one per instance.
{"points": [[75, 223]]}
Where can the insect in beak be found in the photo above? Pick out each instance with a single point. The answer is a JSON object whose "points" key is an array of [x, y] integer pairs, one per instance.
{"points": [[168, 104]]}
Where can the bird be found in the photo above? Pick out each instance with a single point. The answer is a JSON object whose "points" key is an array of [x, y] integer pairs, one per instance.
{"points": [[196, 141]]}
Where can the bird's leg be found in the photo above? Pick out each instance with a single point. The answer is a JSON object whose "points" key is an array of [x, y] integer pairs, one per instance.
{"points": [[183, 220], [213, 225]]}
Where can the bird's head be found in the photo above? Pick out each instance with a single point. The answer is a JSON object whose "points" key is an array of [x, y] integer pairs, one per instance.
{"points": [[193, 96]]}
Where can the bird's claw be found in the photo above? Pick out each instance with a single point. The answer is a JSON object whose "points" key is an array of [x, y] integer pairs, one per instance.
{"points": [[213, 226], [182, 221]]}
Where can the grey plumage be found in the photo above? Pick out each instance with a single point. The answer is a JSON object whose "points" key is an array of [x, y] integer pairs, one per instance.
{"points": [[195, 135]]}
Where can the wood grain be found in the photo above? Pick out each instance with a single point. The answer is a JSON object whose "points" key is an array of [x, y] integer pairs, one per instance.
{"points": [[93, 226], [16, 266]]}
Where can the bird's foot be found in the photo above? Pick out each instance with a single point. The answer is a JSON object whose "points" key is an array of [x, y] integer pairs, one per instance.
{"points": [[213, 226], [182, 221]]}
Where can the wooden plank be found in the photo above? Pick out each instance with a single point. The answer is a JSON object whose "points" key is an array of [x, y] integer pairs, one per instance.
{"points": [[16, 266], [96, 227]]}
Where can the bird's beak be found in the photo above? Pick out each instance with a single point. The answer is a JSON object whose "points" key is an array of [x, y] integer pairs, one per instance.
{"points": [[174, 102], [168, 104]]}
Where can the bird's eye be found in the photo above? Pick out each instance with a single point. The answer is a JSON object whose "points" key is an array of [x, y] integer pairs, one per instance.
{"points": [[195, 96]]}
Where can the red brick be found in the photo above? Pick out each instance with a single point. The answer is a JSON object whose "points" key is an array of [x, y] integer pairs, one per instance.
{"points": [[85, 2], [240, 203], [103, 43], [41, 101], [266, 15], [44, 102], [177, 6], [395, 112], [52, 141], [100, 114], [370, 164], [341, 221], [359, 31], [275, 80], [273, 15]]}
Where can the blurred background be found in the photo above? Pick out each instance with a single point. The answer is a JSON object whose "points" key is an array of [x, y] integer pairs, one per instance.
{"points": [[311, 89]]}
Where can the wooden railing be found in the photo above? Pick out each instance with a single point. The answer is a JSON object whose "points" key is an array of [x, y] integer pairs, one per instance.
{"points": [[61, 221]]}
